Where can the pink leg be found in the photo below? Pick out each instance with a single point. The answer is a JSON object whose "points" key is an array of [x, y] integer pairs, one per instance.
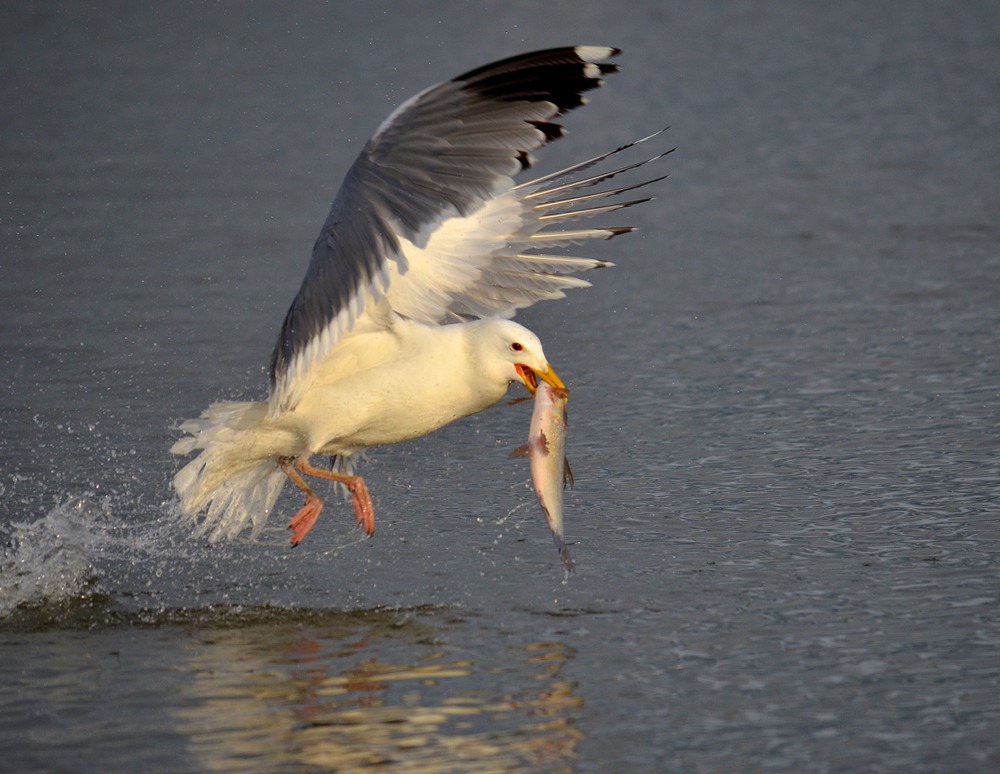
{"points": [[364, 513], [307, 515], [304, 520]]}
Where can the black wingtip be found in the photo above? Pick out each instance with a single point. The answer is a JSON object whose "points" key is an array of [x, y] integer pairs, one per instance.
{"points": [[556, 75]]}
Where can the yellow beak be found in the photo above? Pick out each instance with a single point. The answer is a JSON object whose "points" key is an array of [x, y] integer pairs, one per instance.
{"points": [[530, 378]]}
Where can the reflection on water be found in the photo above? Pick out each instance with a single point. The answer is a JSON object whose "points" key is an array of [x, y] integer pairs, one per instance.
{"points": [[374, 691]]}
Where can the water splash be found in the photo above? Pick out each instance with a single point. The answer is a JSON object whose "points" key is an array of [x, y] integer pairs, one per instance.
{"points": [[62, 563], [50, 561]]}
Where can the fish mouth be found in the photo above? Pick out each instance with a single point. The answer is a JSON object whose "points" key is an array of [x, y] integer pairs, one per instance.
{"points": [[530, 377]]}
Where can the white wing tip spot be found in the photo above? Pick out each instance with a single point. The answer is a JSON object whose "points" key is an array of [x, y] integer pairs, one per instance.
{"points": [[595, 53]]}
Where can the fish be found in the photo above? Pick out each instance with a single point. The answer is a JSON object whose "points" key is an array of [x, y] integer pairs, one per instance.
{"points": [[550, 471]]}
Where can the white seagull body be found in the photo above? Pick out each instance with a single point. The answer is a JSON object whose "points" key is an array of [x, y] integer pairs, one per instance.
{"points": [[401, 323]]}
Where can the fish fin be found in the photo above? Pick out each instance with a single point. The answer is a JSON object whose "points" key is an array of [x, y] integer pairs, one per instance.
{"points": [[567, 474], [543, 443], [520, 451], [567, 560], [515, 401]]}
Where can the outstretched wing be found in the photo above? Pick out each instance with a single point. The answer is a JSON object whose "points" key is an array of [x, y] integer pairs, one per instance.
{"points": [[428, 222], [493, 262]]}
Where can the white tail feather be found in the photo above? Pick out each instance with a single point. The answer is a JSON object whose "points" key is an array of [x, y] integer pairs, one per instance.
{"points": [[235, 479]]}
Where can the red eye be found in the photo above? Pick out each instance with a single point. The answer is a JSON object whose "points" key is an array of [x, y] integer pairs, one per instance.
{"points": [[517, 346]]}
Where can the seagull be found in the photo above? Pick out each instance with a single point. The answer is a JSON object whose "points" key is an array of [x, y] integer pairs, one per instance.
{"points": [[402, 322]]}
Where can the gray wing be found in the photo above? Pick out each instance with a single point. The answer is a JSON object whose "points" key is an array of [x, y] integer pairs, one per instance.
{"points": [[399, 229]]}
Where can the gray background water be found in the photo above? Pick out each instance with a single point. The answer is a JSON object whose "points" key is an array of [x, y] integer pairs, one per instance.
{"points": [[784, 414]]}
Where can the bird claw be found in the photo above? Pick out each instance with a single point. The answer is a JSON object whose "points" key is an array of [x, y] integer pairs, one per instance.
{"points": [[364, 512], [305, 519]]}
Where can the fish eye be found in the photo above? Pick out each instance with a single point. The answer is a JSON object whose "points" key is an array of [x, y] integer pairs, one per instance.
{"points": [[516, 346]]}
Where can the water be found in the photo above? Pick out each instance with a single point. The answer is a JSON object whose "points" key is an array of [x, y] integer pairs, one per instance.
{"points": [[783, 426]]}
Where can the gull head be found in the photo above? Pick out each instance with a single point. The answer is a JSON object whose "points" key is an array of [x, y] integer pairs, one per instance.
{"points": [[515, 354]]}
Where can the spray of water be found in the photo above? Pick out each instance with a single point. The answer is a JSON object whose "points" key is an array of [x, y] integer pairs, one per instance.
{"points": [[62, 559]]}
